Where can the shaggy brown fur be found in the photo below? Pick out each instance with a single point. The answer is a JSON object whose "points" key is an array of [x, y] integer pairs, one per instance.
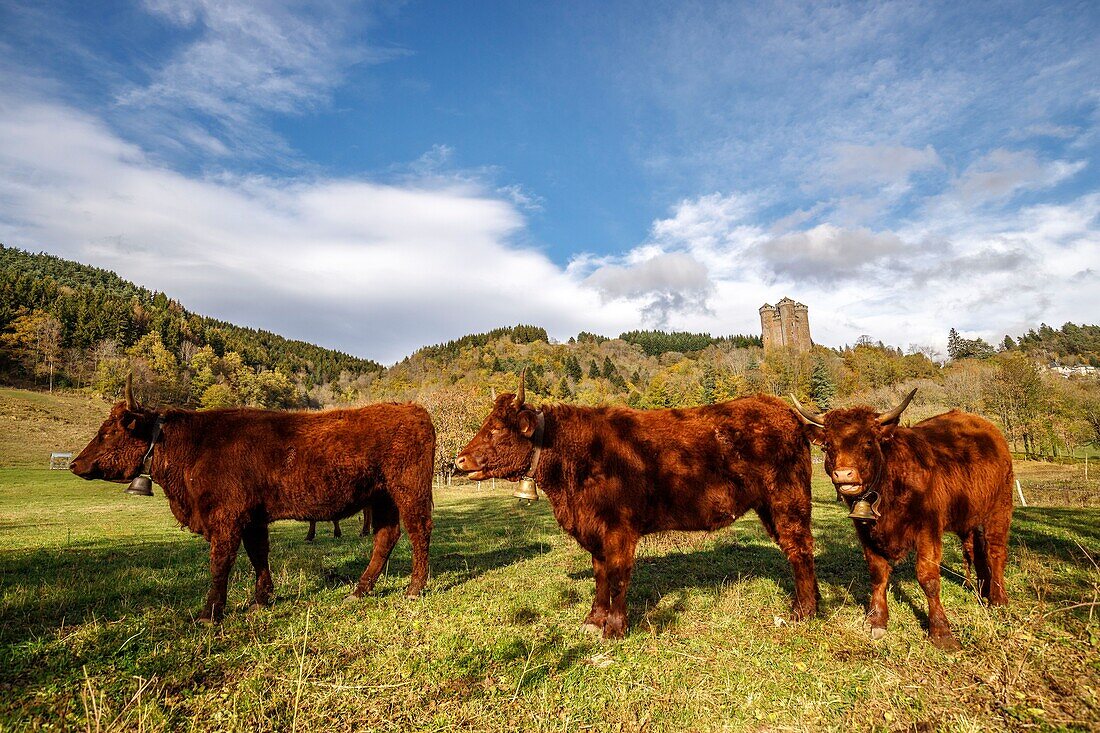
{"points": [[949, 473], [227, 474], [614, 474]]}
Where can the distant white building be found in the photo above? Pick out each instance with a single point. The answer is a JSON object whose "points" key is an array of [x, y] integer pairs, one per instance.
{"points": [[1080, 370]]}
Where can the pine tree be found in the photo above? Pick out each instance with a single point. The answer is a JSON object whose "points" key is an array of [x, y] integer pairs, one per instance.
{"points": [[564, 392], [593, 370], [953, 344], [822, 386], [708, 384], [573, 368]]}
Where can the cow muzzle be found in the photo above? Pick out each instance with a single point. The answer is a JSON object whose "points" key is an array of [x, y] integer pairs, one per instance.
{"points": [[847, 481], [467, 465]]}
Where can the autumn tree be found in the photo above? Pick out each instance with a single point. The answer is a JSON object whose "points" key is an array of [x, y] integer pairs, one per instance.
{"points": [[34, 339], [1014, 393]]}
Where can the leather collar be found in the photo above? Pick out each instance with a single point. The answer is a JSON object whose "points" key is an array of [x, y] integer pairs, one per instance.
{"points": [[536, 438], [147, 460]]}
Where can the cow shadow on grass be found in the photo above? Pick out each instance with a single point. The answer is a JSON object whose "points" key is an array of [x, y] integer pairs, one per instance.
{"points": [[736, 554], [743, 552], [44, 588], [478, 535]]}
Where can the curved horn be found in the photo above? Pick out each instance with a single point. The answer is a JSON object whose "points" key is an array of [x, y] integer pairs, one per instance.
{"points": [[811, 418], [493, 393], [889, 417], [131, 403], [521, 394]]}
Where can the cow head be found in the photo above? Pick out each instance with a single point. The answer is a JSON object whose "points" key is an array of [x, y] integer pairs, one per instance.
{"points": [[117, 450], [502, 447], [853, 440]]}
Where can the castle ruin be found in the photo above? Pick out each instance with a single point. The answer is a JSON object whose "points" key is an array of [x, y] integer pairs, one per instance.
{"points": [[785, 324]]}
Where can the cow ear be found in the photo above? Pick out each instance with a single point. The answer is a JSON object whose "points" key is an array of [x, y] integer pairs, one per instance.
{"points": [[527, 423], [130, 421], [886, 432], [814, 434]]}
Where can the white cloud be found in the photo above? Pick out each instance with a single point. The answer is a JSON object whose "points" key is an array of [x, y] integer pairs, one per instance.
{"points": [[984, 273], [826, 254], [377, 270], [877, 165], [666, 284], [247, 61], [1001, 173]]}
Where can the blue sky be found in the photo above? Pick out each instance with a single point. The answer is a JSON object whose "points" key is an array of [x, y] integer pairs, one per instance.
{"points": [[376, 176]]}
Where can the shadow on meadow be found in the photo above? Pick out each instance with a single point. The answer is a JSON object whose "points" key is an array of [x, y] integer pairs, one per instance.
{"points": [[43, 588], [1058, 535]]}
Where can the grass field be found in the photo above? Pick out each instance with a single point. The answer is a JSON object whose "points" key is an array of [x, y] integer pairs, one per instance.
{"points": [[98, 589]]}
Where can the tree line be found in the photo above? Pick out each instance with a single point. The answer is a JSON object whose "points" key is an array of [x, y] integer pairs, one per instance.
{"points": [[64, 323]]}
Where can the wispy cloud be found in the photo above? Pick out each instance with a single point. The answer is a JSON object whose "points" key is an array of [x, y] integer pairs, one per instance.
{"points": [[1002, 173], [247, 62], [375, 269], [849, 103]]}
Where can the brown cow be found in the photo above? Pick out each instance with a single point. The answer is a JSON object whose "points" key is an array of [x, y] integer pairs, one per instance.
{"points": [[227, 474], [949, 473], [614, 474], [312, 533]]}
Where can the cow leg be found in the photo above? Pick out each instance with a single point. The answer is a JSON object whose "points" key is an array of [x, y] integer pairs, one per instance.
{"points": [[412, 493], [981, 563], [418, 523], [256, 545], [879, 613], [619, 560], [791, 531], [929, 553], [968, 557], [996, 542], [365, 530], [387, 530], [336, 529], [312, 531], [223, 552], [601, 604]]}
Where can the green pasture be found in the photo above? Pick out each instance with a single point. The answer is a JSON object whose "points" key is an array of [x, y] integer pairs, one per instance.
{"points": [[98, 590]]}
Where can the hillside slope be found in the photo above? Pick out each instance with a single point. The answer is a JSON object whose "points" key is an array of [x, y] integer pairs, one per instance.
{"points": [[84, 313], [34, 424]]}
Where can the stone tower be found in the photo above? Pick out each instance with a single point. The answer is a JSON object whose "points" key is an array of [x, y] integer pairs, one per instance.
{"points": [[785, 324]]}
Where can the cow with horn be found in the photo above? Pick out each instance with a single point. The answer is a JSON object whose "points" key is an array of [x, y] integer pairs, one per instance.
{"points": [[227, 474], [614, 474], [907, 486]]}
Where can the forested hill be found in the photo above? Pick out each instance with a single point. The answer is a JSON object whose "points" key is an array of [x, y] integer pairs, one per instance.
{"points": [[71, 320], [1070, 345]]}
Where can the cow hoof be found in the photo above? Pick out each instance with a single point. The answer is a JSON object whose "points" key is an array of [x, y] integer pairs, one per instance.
{"points": [[798, 613], [592, 630], [946, 643], [205, 621], [413, 592], [257, 606], [351, 598], [878, 633]]}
